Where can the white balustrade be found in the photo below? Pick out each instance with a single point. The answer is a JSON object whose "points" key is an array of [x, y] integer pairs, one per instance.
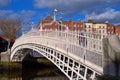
{"points": [[78, 45]]}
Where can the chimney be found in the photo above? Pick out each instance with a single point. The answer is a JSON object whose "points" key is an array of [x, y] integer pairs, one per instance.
{"points": [[90, 20], [70, 20], [61, 19]]}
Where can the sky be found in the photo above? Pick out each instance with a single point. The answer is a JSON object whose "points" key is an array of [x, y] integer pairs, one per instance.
{"points": [[36, 10]]}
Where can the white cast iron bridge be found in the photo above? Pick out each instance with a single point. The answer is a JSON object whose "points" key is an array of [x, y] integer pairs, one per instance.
{"points": [[78, 55]]}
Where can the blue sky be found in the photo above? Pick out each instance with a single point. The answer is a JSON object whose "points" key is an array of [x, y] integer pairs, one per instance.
{"points": [[35, 10]]}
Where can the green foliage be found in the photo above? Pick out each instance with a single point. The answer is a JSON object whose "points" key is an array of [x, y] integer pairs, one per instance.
{"points": [[7, 65]]}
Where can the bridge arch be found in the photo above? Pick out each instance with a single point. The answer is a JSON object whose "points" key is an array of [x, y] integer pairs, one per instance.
{"points": [[52, 55], [65, 51]]}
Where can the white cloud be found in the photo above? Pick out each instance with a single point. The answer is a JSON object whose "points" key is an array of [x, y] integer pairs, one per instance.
{"points": [[5, 13], [4, 3], [27, 15], [110, 15], [51, 3], [24, 15], [90, 8], [73, 6]]}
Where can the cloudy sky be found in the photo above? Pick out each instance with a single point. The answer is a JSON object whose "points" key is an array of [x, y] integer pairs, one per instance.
{"points": [[35, 10]]}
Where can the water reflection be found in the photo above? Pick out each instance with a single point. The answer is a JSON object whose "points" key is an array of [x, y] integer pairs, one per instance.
{"points": [[32, 72]]}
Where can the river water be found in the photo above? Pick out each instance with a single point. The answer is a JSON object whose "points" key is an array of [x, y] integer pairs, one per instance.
{"points": [[33, 72]]}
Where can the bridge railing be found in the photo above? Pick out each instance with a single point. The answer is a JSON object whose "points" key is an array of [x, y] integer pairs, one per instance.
{"points": [[91, 41], [87, 46]]}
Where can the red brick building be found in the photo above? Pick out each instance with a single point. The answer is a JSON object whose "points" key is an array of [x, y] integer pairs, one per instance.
{"points": [[117, 30], [50, 24], [110, 29]]}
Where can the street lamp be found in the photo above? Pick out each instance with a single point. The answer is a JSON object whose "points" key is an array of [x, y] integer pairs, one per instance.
{"points": [[55, 12], [32, 25]]}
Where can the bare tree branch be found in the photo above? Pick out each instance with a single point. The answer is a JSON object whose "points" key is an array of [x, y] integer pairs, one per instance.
{"points": [[10, 28]]}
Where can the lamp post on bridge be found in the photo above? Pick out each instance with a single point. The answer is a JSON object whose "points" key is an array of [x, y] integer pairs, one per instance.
{"points": [[55, 12], [32, 25]]}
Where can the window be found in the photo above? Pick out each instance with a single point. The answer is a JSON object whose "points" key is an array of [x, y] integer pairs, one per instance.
{"points": [[100, 48], [103, 27], [68, 24], [99, 26], [94, 46], [103, 36], [81, 26], [89, 26], [74, 25], [103, 31]]}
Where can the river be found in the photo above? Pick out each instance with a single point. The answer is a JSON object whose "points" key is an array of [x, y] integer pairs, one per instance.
{"points": [[34, 71]]}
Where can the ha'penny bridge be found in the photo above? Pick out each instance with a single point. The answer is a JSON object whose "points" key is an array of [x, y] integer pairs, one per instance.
{"points": [[78, 55]]}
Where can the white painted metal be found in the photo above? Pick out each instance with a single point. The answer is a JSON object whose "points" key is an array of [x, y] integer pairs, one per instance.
{"points": [[73, 46]]}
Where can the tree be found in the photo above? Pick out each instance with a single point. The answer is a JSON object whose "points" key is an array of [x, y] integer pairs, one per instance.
{"points": [[10, 28]]}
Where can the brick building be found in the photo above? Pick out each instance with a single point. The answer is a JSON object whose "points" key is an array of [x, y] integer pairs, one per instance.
{"points": [[117, 30], [49, 24], [90, 27], [110, 29]]}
